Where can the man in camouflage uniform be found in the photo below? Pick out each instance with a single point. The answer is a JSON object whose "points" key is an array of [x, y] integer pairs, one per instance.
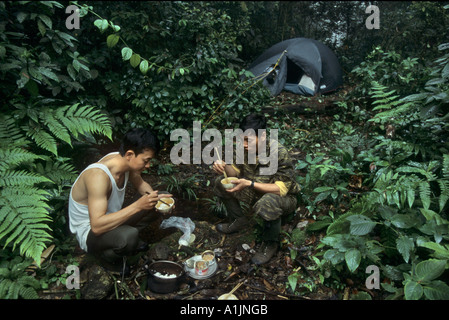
{"points": [[270, 196]]}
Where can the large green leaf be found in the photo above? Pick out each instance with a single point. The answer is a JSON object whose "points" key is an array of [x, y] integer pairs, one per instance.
{"points": [[429, 269], [437, 290], [440, 251], [353, 258], [101, 24], [144, 66], [360, 224], [405, 246], [127, 53], [112, 40], [413, 290], [135, 60]]}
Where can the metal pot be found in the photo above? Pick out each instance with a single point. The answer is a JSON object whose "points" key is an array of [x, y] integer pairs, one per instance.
{"points": [[164, 276]]}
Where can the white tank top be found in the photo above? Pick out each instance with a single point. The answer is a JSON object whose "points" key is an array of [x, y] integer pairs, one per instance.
{"points": [[79, 220]]}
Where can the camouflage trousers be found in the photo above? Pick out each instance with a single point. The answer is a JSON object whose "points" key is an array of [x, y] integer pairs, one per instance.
{"points": [[269, 207]]}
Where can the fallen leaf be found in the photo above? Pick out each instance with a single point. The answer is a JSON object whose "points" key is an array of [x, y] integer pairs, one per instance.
{"points": [[268, 285]]}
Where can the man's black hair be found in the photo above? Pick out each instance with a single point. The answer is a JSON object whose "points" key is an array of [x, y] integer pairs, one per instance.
{"points": [[253, 121], [139, 139]]}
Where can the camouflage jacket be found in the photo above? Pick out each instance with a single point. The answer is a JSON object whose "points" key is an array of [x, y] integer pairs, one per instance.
{"points": [[284, 177]]}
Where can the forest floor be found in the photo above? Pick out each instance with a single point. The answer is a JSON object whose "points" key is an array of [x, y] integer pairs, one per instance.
{"points": [[266, 282]]}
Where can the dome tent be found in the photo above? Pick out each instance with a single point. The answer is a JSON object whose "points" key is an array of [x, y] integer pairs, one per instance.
{"points": [[300, 65]]}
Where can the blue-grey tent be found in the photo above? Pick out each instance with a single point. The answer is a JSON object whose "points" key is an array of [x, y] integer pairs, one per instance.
{"points": [[300, 65]]}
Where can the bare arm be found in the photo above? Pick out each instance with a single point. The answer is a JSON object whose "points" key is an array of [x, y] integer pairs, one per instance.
{"points": [[142, 186], [98, 185], [261, 187]]}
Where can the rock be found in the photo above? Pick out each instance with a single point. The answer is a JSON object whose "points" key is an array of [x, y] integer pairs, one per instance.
{"points": [[302, 224], [98, 285], [159, 251]]}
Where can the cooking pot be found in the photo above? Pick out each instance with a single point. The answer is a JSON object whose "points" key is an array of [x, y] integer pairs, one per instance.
{"points": [[164, 276]]}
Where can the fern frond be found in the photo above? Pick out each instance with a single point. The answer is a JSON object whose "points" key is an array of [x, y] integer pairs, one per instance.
{"points": [[42, 138], [10, 135], [393, 106], [446, 166], [28, 293], [59, 173], [444, 193], [20, 177], [24, 220], [15, 283], [84, 119], [9, 158], [425, 193], [55, 127]]}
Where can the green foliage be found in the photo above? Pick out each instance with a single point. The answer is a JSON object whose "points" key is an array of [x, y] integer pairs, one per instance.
{"points": [[14, 282], [185, 188], [34, 128], [216, 206], [400, 224], [194, 76], [388, 68], [30, 178]]}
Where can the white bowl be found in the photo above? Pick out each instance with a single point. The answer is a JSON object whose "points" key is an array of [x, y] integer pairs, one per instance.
{"points": [[226, 182], [227, 296], [164, 208]]}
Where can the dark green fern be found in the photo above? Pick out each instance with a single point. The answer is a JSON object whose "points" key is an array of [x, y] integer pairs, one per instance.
{"points": [[15, 283], [30, 176]]}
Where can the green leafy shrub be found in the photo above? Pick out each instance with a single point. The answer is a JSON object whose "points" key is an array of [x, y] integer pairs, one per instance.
{"points": [[401, 223], [39, 67], [195, 76], [390, 69], [14, 282]]}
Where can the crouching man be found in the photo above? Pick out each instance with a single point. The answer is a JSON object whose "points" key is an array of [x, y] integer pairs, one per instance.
{"points": [[269, 195], [96, 214]]}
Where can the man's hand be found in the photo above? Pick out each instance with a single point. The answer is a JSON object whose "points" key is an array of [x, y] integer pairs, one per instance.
{"points": [[240, 184], [148, 201], [219, 166]]}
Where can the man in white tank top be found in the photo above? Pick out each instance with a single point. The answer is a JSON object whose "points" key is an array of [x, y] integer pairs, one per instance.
{"points": [[96, 216]]}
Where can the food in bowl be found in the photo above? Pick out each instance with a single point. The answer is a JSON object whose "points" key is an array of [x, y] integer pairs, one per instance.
{"points": [[165, 207], [165, 275], [201, 267], [227, 184], [208, 256]]}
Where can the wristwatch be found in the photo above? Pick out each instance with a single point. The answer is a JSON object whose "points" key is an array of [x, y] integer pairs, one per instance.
{"points": [[252, 184]]}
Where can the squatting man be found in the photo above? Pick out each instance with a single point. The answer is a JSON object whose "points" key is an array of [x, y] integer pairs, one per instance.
{"points": [[102, 225], [270, 196]]}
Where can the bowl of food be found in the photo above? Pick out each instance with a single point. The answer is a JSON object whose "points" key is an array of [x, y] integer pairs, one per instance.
{"points": [[164, 205], [208, 256], [227, 184], [164, 276], [201, 267]]}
